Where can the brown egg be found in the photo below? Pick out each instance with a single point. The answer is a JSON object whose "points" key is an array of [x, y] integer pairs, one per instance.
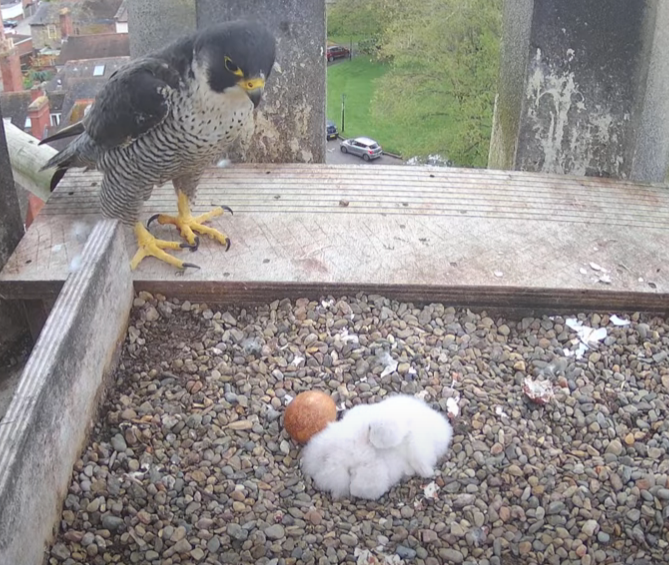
{"points": [[308, 414]]}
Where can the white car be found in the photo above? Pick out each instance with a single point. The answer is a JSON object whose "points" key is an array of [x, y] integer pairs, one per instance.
{"points": [[363, 147]]}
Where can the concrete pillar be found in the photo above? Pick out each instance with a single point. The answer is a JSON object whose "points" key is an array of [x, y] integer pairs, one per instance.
{"points": [[583, 88], [154, 23], [290, 123], [291, 120], [11, 226], [12, 318]]}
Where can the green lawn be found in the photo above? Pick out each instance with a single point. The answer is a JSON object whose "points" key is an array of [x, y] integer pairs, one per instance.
{"points": [[358, 78]]}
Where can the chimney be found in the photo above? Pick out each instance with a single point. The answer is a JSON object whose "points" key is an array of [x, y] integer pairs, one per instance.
{"points": [[35, 92], [10, 64], [40, 116], [66, 25]]}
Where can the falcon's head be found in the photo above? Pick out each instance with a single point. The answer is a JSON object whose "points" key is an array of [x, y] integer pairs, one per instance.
{"points": [[236, 54]]}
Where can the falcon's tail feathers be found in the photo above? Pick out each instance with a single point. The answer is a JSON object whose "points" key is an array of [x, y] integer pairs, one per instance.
{"points": [[62, 160], [69, 157], [69, 131]]}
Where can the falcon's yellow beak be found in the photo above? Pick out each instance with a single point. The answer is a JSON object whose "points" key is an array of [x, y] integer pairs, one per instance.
{"points": [[254, 88]]}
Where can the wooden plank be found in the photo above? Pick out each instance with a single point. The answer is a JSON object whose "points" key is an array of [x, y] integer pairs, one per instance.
{"points": [[471, 237], [48, 419]]}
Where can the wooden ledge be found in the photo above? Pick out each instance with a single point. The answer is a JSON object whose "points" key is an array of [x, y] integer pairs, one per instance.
{"points": [[467, 237]]}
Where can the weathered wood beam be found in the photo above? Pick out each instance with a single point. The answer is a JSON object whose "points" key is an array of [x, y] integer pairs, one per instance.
{"points": [[468, 237]]}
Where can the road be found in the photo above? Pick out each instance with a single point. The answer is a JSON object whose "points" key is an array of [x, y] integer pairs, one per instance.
{"points": [[334, 156], [22, 29]]}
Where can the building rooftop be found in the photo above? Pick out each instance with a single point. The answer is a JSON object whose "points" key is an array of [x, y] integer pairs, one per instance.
{"points": [[94, 46], [15, 107], [88, 10], [122, 13], [80, 81]]}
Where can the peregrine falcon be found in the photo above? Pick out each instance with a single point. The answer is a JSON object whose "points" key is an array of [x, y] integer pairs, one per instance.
{"points": [[166, 117]]}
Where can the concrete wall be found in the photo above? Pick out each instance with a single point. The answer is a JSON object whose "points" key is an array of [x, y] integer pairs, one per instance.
{"points": [[581, 89], [290, 122], [58, 394]]}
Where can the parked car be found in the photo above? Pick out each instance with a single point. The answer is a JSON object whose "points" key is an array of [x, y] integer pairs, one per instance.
{"points": [[10, 24], [336, 52], [331, 130], [363, 147]]}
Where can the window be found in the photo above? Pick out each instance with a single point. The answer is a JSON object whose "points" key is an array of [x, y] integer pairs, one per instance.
{"points": [[99, 70], [55, 119], [51, 31], [28, 123]]}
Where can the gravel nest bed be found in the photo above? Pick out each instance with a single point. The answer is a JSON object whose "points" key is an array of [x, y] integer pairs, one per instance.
{"points": [[189, 462]]}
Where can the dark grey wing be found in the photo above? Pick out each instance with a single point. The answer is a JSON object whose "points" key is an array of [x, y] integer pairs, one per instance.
{"points": [[134, 101]]}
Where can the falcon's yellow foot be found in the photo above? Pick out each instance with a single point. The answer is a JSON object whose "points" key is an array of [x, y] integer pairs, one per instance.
{"points": [[188, 224], [149, 246]]}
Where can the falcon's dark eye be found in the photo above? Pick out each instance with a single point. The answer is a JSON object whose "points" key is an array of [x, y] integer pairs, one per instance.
{"points": [[234, 69]]}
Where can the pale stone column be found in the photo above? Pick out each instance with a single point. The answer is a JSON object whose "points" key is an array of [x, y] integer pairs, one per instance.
{"points": [[583, 88]]}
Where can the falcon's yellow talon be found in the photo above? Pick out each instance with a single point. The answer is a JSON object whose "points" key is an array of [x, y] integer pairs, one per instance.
{"points": [[212, 233], [188, 225], [149, 246], [208, 215]]}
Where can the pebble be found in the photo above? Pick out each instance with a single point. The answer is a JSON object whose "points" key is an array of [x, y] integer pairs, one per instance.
{"points": [[590, 527], [555, 507], [112, 523], [189, 462], [182, 546], [214, 544], [457, 530], [178, 534], [615, 447], [235, 531], [349, 539], [60, 551], [405, 552], [452, 555], [118, 443], [662, 494], [275, 532], [151, 314]]}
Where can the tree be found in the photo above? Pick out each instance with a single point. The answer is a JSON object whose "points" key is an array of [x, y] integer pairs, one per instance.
{"points": [[347, 18], [444, 56]]}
